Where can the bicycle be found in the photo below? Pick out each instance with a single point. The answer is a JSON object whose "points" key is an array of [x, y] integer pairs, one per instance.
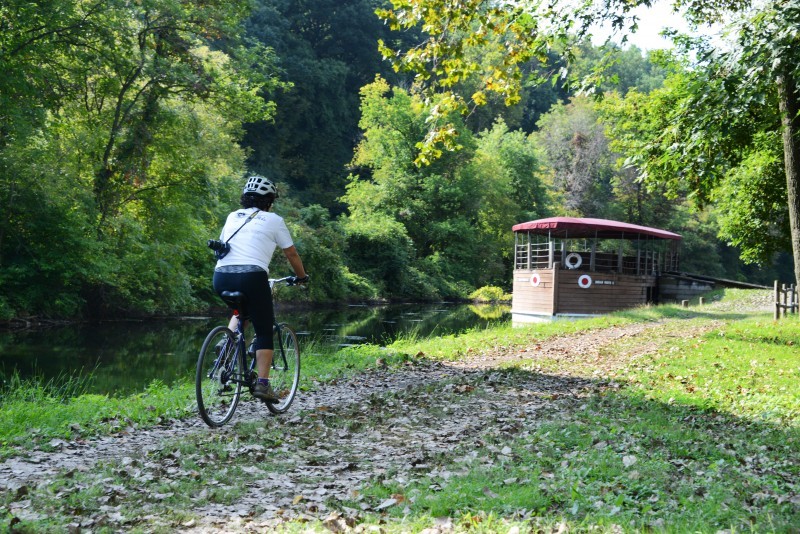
{"points": [[224, 367]]}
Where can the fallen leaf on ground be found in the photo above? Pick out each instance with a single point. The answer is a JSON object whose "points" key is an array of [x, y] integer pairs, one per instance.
{"points": [[386, 504]]}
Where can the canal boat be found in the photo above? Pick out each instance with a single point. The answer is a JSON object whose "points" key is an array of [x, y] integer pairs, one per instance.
{"points": [[574, 267]]}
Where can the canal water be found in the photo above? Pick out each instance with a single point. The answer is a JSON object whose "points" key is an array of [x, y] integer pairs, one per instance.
{"points": [[122, 357]]}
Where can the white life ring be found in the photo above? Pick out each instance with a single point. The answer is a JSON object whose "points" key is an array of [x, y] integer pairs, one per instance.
{"points": [[573, 260], [536, 279], [584, 281]]}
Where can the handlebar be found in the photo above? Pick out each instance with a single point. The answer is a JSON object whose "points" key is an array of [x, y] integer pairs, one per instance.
{"points": [[288, 280]]}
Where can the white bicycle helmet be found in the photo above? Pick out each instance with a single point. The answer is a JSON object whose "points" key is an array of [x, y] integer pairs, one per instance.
{"points": [[260, 186]]}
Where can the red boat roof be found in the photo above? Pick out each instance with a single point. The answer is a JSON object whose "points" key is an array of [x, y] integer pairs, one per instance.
{"points": [[569, 227]]}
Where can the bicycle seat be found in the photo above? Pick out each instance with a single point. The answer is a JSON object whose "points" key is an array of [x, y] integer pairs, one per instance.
{"points": [[236, 300]]}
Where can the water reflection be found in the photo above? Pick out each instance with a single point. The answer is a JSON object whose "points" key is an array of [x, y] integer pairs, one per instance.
{"points": [[126, 356]]}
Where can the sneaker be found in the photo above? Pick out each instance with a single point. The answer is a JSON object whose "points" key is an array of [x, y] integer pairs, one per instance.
{"points": [[265, 393]]}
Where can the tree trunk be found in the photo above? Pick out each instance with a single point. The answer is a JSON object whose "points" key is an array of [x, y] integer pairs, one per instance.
{"points": [[789, 102]]}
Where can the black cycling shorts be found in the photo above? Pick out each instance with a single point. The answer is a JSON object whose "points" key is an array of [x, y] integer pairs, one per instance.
{"points": [[254, 284]]}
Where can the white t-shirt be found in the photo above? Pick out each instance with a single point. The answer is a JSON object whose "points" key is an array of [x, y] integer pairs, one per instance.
{"points": [[256, 241]]}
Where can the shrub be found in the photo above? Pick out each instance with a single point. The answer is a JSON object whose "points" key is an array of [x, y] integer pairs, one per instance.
{"points": [[490, 294], [359, 287]]}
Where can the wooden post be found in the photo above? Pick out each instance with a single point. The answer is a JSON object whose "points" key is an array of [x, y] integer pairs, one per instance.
{"points": [[530, 252], [685, 303], [702, 300], [784, 301], [777, 314], [556, 283]]}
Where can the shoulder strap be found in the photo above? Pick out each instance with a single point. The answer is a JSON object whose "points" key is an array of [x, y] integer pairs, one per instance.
{"points": [[252, 215]]}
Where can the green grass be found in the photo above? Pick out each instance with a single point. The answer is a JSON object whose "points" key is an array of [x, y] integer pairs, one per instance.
{"points": [[456, 346], [747, 368], [620, 459], [33, 413], [702, 436], [320, 363], [624, 461]]}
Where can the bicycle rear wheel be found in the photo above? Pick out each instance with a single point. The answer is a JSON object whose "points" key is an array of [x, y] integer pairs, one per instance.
{"points": [[284, 376], [218, 382]]}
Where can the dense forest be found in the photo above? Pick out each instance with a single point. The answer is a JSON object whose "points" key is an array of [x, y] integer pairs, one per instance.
{"points": [[126, 130]]}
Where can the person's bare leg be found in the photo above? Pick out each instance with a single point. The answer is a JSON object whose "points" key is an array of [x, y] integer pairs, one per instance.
{"points": [[263, 362], [262, 389]]}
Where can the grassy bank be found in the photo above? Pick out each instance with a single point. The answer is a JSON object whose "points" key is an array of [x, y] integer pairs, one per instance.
{"points": [[691, 424], [34, 413]]}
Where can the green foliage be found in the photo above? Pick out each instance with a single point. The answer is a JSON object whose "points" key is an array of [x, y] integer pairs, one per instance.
{"points": [[752, 202], [580, 141], [121, 124], [746, 216], [6, 311], [687, 113], [379, 250], [707, 117], [455, 213], [481, 41], [490, 50], [119, 141], [700, 251], [318, 241], [623, 69], [413, 213], [721, 121], [508, 167], [359, 287], [576, 150], [327, 51]]}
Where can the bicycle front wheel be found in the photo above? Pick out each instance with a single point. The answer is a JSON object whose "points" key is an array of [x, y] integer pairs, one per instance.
{"points": [[284, 376], [218, 382]]}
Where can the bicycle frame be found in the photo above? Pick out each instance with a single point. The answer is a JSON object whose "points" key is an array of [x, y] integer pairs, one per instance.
{"points": [[239, 353], [246, 380]]}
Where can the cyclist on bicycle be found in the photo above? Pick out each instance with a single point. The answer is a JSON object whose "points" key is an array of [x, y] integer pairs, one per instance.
{"points": [[245, 267]]}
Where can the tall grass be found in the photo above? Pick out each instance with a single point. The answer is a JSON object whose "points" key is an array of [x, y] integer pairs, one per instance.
{"points": [[63, 387]]}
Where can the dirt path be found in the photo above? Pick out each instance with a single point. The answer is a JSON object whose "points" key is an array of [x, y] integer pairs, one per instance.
{"points": [[390, 424]]}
